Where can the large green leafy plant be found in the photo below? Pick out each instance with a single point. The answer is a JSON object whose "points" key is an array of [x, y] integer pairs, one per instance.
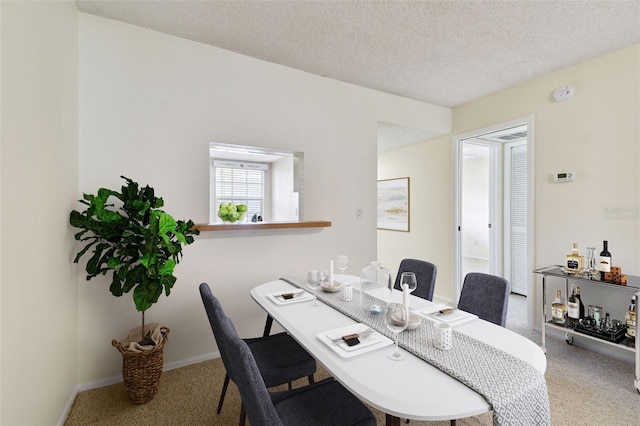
{"points": [[130, 236]]}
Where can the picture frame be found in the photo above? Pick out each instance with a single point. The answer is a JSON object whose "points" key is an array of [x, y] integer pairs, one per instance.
{"points": [[393, 209]]}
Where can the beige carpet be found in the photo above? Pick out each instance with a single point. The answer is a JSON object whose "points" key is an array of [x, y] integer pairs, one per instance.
{"points": [[585, 388]]}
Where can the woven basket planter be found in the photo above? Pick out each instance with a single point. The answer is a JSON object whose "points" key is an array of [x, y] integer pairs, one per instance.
{"points": [[141, 371]]}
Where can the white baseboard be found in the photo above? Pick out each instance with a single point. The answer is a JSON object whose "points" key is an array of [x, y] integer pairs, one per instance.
{"points": [[117, 379], [191, 361], [99, 383], [67, 408]]}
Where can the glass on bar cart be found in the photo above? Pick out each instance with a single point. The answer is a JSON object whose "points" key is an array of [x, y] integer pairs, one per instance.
{"points": [[592, 269]]}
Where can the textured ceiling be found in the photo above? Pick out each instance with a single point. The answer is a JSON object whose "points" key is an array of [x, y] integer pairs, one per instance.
{"points": [[441, 52]]}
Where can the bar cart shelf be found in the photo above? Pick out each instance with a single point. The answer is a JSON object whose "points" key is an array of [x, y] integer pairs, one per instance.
{"points": [[633, 285]]}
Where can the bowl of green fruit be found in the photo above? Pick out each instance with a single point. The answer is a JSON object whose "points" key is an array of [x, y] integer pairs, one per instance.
{"points": [[232, 212]]}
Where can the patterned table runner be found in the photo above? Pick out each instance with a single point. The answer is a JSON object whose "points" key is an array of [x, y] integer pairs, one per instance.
{"points": [[516, 391]]}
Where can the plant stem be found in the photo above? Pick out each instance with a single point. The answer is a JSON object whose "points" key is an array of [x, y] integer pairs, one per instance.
{"points": [[142, 332]]}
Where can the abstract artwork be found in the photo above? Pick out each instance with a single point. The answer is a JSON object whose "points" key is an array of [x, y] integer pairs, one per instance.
{"points": [[393, 204]]}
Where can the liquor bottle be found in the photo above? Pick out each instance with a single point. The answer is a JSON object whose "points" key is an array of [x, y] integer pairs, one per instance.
{"points": [[607, 324], [573, 308], [558, 309], [605, 260], [574, 262], [630, 318], [581, 307]]}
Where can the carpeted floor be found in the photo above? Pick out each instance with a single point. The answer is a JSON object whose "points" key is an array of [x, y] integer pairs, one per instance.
{"points": [[585, 388]]}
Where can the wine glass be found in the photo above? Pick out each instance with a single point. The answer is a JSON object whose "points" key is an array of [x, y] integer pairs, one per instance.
{"points": [[324, 278], [408, 279], [397, 319], [342, 262], [313, 281]]}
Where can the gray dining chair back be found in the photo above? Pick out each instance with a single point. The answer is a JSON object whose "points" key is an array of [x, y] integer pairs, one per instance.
{"points": [[216, 315], [319, 404], [255, 396], [280, 359], [425, 276], [486, 296]]}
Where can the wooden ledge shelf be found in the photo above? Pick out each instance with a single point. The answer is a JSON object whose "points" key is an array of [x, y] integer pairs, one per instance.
{"points": [[205, 227]]}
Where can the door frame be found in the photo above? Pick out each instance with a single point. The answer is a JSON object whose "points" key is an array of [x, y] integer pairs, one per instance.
{"points": [[495, 219], [457, 170]]}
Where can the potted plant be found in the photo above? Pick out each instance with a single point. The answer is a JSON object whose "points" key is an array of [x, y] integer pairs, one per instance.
{"points": [[130, 236]]}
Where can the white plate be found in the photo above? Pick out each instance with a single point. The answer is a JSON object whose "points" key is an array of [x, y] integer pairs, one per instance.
{"points": [[300, 296], [369, 342], [456, 317]]}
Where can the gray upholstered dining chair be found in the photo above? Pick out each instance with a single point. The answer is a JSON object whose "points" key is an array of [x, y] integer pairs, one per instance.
{"points": [[486, 296], [280, 359], [323, 403], [425, 276]]}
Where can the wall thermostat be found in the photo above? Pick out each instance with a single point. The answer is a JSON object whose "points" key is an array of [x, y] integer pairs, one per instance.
{"points": [[564, 177]]}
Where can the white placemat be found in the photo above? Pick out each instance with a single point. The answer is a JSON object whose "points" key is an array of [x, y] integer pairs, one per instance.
{"points": [[455, 317], [299, 296], [368, 342]]}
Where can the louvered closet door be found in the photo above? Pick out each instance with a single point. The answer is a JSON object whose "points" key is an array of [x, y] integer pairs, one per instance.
{"points": [[517, 163]]}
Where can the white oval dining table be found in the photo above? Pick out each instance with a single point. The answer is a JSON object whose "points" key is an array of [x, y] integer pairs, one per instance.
{"points": [[408, 389]]}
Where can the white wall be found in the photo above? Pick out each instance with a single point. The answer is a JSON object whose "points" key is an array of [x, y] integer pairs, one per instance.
{"points": [[285, 201], [428, 166], [595, 134], [39, 183], [475, 211], [151, 103]]}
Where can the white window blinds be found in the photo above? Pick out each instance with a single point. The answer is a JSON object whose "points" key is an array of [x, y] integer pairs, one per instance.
{"points": [[242, 183], [518, 196]]}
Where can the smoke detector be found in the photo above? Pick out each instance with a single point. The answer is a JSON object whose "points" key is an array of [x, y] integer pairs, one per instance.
{"points": [[563, 93]]}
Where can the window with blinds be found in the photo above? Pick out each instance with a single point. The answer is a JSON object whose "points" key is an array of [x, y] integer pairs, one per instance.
{"points": [[241, 183]]}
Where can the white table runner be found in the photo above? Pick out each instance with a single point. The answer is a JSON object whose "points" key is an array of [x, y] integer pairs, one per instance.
{"points": [[516, 391]]}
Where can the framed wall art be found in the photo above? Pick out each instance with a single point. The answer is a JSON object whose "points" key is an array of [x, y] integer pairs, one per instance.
{"points": [[393, 204]]}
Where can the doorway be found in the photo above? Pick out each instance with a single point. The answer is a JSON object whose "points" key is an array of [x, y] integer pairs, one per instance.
{"points": [[494, 204]]}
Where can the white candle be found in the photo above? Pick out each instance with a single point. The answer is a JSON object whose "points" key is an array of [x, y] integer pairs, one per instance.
{"points": [[405, 296], [331, 272]]}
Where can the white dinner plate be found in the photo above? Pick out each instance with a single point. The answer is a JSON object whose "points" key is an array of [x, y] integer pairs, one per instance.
{"points": [[368, 342], [299, 296], [456, 317]]}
